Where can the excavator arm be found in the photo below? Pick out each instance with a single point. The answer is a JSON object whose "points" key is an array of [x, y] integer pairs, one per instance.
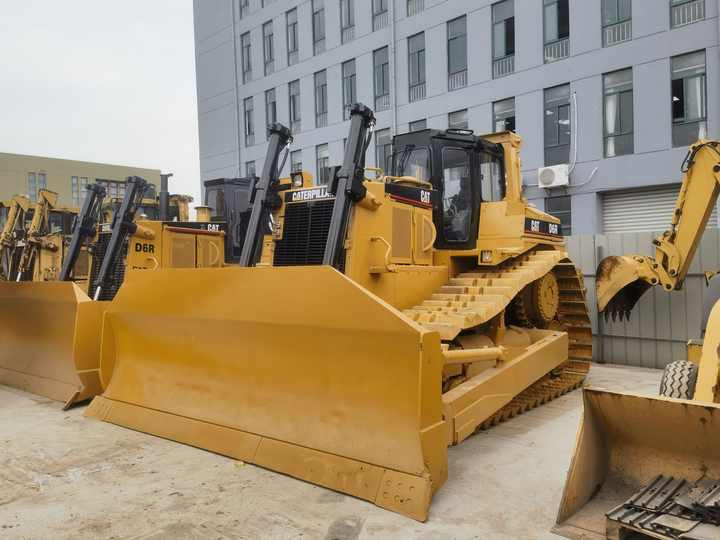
{"points": [[622, 280], [19, 205], [47, 200]]}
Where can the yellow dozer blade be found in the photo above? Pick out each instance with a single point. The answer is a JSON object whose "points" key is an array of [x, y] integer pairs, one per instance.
{"points": [[625, 441], [50, 340], [621, 281], [296, 369]]}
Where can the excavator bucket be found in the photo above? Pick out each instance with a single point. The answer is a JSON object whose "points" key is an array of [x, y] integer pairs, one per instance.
{"points": [[49, 340], [626, 443], [295, 369], [620, 285]]}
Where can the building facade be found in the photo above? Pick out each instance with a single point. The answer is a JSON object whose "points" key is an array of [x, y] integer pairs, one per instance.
{"points": [[25, 175], [614, 89]]}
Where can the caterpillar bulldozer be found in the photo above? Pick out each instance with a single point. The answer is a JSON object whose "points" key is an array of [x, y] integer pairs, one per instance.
{"points": [[639, 459], [50, 331], [367, 325]]}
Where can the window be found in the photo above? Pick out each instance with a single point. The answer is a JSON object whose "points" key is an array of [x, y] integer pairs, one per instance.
{"points": [[618, 113], [347, 20], [503, 47], [322, 164], [270, 108], [414, 7], [35, 182], [249, 168], [492, 179], [383, 149], [318, 26], [458, 119], [268, 48], [296, 161], [504, 115], [561, 208], [417, 125], [684, 12], [292, 36], [294, 105], [380, 14], [413, 161], [616, 21], [689, 98], [457, 195], [249, 121], [349, 90], [246, 60], [381, 79], [79, 185], [321, 99], [416, 66], [115, 189], [457, 53], [557, 125], [556, 20], [244, 8]]}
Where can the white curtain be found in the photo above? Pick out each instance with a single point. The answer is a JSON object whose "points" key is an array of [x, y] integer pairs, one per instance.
{"points": [[611, 121]]}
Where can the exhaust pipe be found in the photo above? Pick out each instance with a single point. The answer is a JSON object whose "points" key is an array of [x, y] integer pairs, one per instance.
{"points": [[164, 197]]}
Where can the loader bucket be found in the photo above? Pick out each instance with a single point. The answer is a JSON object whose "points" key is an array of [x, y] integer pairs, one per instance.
{"points": [[38, 345], [619, 285], [296, 369], [624, 442]]}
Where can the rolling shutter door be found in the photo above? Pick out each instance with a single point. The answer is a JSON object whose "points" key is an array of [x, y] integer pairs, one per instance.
{"points": [[643, 210]]}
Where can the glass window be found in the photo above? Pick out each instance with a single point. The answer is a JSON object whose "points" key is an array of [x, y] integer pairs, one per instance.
{"points": [[380, 14], [413, 161], [561, 208], [246, 55], [618, 113], [249, 121], [381, 79], [318, 26], [689, 98], [321, 99], [322, 164], [347, 20], [249, 168], [270, 107], [244, 8], [457, 45], [556, 20], [503, 15], [416, 66], [492, 179], [294, 105], [296, 161], [417, 125], [458, 119], [504, 115], [616, 11], [383, 149], [32, 186], [557, 125], [292, 36], [457, 194], [268, 47], [349, 89], [684, 12]]}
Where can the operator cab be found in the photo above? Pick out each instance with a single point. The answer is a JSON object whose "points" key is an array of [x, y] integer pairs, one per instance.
{"points": [[464, 169], [229, 202]]}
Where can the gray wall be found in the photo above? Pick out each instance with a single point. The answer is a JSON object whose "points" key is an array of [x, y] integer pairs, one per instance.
{"points": [[661, 323], [223, 153]]}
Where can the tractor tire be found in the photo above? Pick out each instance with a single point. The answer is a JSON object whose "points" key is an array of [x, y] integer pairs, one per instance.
{"points": [[679, 380]]}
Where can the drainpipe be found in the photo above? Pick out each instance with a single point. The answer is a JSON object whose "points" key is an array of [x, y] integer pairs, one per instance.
{"points": [[393, 78], [235, 88]]}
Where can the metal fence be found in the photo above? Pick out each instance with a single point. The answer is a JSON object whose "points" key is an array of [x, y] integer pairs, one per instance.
{"points": [[662, 322]]}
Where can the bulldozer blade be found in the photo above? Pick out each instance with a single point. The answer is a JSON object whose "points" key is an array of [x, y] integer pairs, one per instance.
{"points": [[49, 340], [619, 285], [624, 442], [295, 369]]}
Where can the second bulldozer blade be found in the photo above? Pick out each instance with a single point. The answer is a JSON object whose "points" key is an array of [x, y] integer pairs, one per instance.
{"points": [[296, 369]]}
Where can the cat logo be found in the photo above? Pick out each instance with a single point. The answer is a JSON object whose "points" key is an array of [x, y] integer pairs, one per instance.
{"points": [[144, 248]]}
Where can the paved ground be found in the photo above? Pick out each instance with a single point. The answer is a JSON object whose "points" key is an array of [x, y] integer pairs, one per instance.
{"points": [[64, 476]]}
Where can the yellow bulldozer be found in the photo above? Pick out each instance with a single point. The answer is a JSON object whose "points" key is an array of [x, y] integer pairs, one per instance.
{"points": [[649, 466], [367, 325], [50, 330]]}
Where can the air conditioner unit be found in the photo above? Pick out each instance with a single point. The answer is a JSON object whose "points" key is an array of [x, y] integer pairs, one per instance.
{"points": [[555, 176]]}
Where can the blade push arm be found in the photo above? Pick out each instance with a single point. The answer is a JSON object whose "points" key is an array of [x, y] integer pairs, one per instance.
{"points": [[85, 225]]}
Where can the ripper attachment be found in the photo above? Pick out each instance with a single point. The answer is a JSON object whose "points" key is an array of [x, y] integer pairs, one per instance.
{"points": [[85, 228]]}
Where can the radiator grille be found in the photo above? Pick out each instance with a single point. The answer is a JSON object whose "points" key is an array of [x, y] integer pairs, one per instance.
{"points": [[305, 232], [117, 272]]}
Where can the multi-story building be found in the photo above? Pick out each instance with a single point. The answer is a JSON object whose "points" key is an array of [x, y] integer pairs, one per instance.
{"points": [[25, 175], [614, 89]]}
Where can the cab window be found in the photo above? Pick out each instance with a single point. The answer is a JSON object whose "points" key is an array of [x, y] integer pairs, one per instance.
{"points": [[492, 178], [415, 163], [56, 223], [216, 201], [457, 195]]}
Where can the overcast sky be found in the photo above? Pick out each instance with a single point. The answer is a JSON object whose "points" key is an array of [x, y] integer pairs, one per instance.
{"points": [[99, 80]]}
